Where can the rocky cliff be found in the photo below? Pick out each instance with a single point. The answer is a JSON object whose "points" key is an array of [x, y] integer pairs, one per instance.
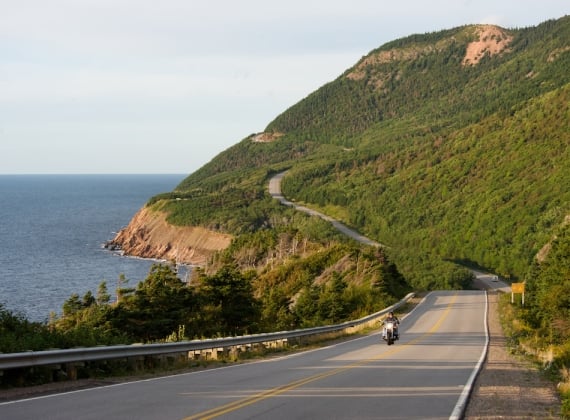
{"points": [[149, 235]]}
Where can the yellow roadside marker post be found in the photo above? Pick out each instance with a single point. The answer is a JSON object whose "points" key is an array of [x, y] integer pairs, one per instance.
{"points": [[517, 288]]}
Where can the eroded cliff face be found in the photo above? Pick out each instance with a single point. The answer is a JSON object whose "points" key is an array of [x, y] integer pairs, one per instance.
{"points": [[149, 235]]}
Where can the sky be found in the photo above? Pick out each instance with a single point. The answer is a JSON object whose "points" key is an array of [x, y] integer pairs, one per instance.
{"points": [[147, 86]]}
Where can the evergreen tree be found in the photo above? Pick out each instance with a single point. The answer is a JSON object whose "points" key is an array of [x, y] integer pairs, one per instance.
{"points": [[229, 296], [159, 305], [103, 296]]}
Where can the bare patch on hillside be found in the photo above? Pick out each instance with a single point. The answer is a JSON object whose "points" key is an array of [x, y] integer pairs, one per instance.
{"points": [[384, 57], [543, 252], [492, 41], [410, 53], [556, 53], [265, 137]]}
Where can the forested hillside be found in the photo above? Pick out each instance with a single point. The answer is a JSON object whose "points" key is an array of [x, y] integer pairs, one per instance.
{"points": [[451, 148], [448, 146]]}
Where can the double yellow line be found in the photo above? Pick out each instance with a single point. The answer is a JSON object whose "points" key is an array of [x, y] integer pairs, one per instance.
{"points": [[236, 405]]}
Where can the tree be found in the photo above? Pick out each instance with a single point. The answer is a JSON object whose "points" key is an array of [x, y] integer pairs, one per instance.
{"points": [[18, 334], [88, 300], [276, 314], [123, 291], [549, 289], [332, 304], [103, 296], [229, 296], [72, 305], [159, 305], [307, 308]]}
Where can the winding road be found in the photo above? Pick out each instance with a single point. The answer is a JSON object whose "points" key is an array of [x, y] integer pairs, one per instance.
{"points": [[275, 192], [427, 374], [491, 281]]}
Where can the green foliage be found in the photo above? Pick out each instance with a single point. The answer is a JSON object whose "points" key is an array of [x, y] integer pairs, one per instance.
{"points": [[427, 82], [158, 306], [314, 284], [442, 162], [163, 308], [333, 284], [438, 160], [276, 311], [469, 195], [228, 305], [19, 334], [542, 325], [332, 305], [548, 292], [103, 296]]}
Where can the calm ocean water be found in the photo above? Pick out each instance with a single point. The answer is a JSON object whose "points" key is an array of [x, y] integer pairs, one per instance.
{"points": [[52, 228]]}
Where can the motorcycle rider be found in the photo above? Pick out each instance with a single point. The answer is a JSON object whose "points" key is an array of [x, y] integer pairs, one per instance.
{"points": [[393, 318]]}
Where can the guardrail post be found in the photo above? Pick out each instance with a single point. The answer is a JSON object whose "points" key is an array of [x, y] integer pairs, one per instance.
{"points": [[203, 354], [181, 357], [234, 352], [71, 371], [135, 363], [218, 353]]}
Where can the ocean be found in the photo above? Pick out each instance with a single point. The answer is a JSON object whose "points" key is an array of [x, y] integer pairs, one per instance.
{"points": [[52, 232]]}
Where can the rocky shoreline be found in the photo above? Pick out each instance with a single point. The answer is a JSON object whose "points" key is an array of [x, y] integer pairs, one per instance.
{"points": [[149, 235]]}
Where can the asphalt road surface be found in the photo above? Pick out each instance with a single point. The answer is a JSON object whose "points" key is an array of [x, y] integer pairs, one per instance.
{"points": [[425, 375], [275, 192], [492, 282]]}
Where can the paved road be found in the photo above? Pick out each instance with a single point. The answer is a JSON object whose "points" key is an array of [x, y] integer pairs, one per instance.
{"points": [[492, 282], [422, 376], [275, 192]]}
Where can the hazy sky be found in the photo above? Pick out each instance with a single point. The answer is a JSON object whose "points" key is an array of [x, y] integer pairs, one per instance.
{"points": [[163, 86]]}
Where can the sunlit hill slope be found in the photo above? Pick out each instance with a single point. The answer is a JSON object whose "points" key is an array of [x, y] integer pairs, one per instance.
{"points": [[447, 146]]}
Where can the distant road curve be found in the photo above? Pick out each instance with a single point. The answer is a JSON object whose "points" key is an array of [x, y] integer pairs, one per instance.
{"points": [[492, 282], [275, 192]]}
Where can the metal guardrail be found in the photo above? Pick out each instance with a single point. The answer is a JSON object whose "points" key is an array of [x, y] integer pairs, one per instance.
{"points": [[75, 355]]}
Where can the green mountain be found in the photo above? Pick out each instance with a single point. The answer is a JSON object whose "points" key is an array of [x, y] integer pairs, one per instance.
{"points": [[448, 147]]}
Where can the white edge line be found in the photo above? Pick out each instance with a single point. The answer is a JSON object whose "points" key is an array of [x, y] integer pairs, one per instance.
{"points": [[235, 366], [459, 410], [95, 388]]}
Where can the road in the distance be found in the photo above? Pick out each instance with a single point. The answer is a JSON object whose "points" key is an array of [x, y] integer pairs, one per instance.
{"points": [[275, 192], [422, 376]]}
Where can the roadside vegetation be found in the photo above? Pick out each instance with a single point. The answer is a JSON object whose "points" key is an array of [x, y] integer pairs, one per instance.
{"points": [[449, 165], [441, 161], [162, 308], [541, 327]]}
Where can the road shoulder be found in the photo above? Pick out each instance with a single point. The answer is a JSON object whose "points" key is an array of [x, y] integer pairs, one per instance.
{"points": [[507, 386]]}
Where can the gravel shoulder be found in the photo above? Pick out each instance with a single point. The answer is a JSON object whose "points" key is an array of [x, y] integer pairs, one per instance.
{"points": [[509, 387]]}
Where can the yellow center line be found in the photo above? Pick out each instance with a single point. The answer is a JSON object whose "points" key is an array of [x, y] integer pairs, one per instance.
{"points": [[244, 402]]}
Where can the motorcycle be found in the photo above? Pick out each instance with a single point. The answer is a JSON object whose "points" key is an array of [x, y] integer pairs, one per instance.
{"points": [[390, 332]]}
